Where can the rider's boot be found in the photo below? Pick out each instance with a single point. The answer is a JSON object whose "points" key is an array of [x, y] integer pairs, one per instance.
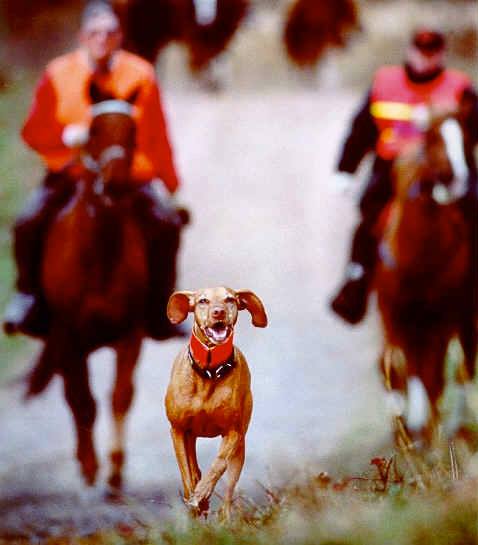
{"points": [[162, 226], [162, 267], [27, 311], [350, 302]]}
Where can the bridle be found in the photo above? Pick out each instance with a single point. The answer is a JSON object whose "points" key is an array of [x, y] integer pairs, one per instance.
{"points": [[110, 153]]}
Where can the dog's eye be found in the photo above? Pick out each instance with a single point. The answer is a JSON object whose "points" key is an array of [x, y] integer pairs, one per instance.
{"points": [[230, 300], [203, 301]]}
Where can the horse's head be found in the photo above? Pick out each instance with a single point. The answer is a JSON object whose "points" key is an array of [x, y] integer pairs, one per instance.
{"points": [[438, 169], [110, 147]]}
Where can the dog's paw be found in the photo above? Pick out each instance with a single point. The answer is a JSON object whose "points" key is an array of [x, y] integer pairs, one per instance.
{"points": [[192, 503]]}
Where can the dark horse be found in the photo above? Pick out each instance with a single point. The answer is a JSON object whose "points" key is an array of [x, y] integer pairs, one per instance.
{"points": [[151, 25], [95, 280], [426, 278]]}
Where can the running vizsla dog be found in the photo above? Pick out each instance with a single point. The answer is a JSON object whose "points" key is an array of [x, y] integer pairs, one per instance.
{"points": [[209, 393]]}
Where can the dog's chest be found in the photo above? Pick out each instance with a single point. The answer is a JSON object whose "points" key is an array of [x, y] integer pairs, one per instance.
{"points": [[207, 406]]}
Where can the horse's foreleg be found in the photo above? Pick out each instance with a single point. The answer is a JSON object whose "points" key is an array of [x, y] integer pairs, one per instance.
{"points": [[392, 366], [127, 356], [469, 342], [462, 419], [79, 398], [426, 384]]}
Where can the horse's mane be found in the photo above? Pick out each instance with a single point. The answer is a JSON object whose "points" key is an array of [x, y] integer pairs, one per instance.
{"points": [[407, 168]]}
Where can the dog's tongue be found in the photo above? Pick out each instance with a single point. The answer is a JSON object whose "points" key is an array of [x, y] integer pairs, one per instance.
{"points": [[218, 333]]}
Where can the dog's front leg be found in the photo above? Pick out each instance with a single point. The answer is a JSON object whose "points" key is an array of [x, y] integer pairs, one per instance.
{"points": [[205, 487], [234, 468], [180, 447]]}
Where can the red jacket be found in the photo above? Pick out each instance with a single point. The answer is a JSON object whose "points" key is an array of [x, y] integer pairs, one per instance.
{"points": [[61, 98], [393, 97]]}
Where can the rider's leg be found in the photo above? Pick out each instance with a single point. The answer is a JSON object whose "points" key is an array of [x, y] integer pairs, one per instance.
{"points": [[351, 300], [162, 225], [27, 311]]}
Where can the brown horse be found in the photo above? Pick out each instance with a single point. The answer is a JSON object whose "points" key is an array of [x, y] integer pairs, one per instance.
{"points": [[424, 282], [95, 278], [313, 26]]}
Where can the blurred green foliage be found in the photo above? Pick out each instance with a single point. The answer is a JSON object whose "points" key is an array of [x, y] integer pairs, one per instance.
{"points": [[19, 172]]}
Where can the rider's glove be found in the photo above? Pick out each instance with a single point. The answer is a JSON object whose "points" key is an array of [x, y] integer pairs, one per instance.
{"points": [[75, 135]]}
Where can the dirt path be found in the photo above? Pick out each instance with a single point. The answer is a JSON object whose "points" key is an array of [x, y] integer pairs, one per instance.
{"points": [[256, 172]]}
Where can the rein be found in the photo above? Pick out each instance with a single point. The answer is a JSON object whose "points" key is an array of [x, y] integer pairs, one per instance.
{"points": [[111, 152], [107, 155]]}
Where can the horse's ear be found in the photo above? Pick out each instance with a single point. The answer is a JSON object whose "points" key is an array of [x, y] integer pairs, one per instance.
{"points": [[248, 300], [133, 96], [180, 304], [96, 94]]}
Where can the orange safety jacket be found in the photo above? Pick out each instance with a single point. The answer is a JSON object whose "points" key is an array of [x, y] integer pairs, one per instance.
{"points": [[393, 97], [62, 97]]}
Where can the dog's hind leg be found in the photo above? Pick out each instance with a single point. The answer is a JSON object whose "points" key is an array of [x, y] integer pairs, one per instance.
{"points": [[127, 356]]}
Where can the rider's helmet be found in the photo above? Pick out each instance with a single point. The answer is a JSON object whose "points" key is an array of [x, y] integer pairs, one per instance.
{"points": [[428, 40]]}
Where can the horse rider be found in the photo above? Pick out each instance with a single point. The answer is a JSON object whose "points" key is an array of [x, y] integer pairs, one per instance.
{"points": [[383, 125], [57, 126]]}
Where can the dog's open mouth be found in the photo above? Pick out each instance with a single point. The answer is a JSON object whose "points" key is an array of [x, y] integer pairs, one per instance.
{"points": [[218, 332]]}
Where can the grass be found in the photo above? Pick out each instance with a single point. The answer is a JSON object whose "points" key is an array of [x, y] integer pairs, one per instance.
{"points": [[384, 505], [19, 173]]}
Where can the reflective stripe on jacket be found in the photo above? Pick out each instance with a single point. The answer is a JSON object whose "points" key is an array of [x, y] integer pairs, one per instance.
{"points": [[394, 97]]}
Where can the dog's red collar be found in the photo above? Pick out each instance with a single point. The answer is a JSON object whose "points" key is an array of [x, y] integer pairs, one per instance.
{"points": [[213, 361]]}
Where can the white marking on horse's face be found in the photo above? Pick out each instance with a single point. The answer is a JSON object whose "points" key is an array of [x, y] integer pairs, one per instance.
{"points": [[452, 134], [418, 410], [206, 11]]}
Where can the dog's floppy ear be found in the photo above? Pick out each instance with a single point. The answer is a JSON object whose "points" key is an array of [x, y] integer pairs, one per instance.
{"points": [[180, 304], [249, 300]]}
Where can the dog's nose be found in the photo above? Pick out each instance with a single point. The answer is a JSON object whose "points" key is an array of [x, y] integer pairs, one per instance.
{"points": [[218, 313]]}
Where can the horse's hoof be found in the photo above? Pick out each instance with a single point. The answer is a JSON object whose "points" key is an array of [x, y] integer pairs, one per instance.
{"points": [[113, 494], [90, 479], [90, 472], [115, 482]]}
